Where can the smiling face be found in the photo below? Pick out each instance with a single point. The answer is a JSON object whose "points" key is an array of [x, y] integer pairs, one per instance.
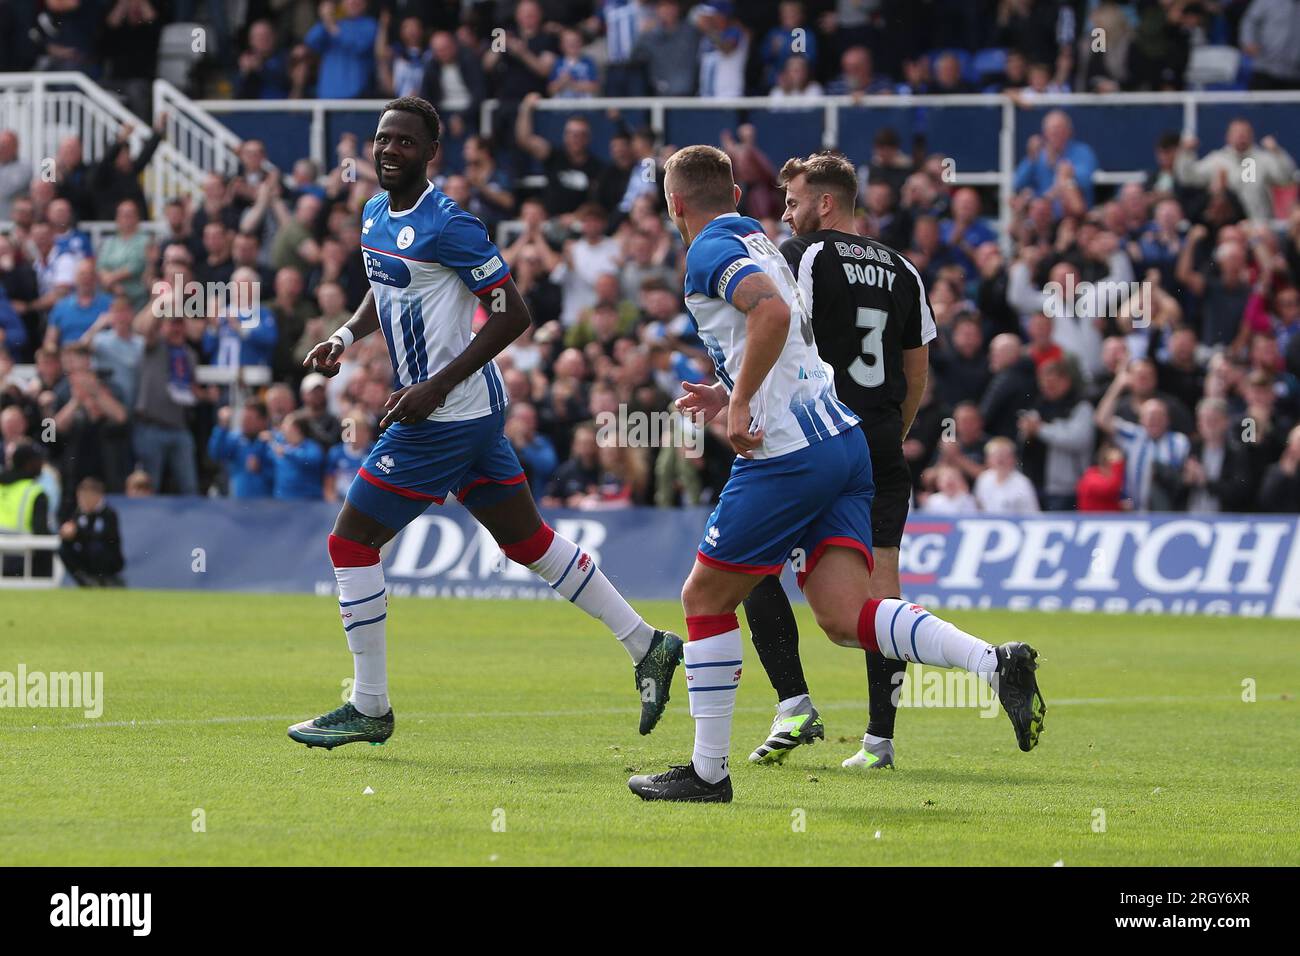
{"points": [[403, 149]]}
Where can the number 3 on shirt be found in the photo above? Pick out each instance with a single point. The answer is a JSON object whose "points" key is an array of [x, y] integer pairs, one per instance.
{"points": [[873, 374]]}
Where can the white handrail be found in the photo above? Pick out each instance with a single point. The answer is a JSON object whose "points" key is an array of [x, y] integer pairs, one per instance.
{"points": [[647, 103], [39, 108], [194, 144], [26, 544]]}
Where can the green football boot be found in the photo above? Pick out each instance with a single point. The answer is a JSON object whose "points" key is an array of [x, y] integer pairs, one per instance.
{"points": [[1018, 691], [788, 733], [346, 725], [654, 677]]}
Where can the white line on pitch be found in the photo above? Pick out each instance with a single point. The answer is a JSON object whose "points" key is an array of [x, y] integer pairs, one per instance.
{"points": [[610, 712]]}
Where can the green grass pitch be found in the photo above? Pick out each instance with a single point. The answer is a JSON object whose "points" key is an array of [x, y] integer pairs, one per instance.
{"points": [[516, 732]]}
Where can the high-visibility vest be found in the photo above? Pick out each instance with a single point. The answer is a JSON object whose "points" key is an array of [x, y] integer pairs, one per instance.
{"points": [[17, 504]]}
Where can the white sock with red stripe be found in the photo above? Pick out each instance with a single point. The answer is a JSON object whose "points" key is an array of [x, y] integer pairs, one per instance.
{"points": [[713, 663], [363, 606], [908, 632], [573, 574]]}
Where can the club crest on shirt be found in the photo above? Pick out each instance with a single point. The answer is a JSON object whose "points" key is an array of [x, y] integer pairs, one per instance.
{"points": [[405, 237]]}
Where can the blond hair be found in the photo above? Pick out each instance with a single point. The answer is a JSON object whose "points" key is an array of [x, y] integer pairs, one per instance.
{"points": [[993, 444]]}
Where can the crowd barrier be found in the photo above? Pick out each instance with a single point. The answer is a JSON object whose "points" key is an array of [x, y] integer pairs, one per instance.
{"points": [[1247, 565], [982, 135]]}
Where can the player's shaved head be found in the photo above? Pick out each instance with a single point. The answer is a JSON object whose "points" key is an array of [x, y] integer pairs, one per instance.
{"points": [[701, 177]]}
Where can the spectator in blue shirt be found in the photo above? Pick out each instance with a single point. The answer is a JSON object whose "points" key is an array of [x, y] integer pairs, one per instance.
{"points": [[964, 231], [792, 37], [402, 65], [574, 75], [299, 462], [344, 459], [535, 451], [238, 334], [1160, 242], [347, 51], [117, 349], [74, 314], [1040, 171], [245, 454], [68, 239], [623, 22], [13, 332], [857, 75], [263, 70]]}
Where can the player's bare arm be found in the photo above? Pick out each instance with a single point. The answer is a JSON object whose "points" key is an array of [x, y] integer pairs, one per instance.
{"points": [[325, 356], [916, 369], [767, 323], [508, 319]]}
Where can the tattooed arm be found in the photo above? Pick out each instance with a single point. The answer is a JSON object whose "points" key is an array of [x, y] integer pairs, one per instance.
{"points": [[767, 323]]}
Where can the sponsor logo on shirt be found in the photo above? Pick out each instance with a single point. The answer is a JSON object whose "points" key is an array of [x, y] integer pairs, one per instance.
{"points": [[492, 266], [851, 250], [386, 464], [386, 270]]}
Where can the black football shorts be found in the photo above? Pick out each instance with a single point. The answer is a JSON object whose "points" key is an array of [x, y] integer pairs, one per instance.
{"points": [[884, 431]]}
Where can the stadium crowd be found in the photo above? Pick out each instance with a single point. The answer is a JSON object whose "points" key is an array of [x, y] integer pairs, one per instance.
{"points": [[1137, 349]]}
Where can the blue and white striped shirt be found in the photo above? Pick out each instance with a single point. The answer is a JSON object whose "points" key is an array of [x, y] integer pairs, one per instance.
{"points": [[1142, 453], [622, 26], [427, 265]]}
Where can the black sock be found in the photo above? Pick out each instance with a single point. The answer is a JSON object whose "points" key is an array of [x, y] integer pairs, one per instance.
{"points": [[776, 637], [882, 684]]}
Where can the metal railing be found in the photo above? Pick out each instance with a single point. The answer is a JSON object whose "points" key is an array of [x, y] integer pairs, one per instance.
{"points": [[46, 108], [101, 229], [1000, 175], [27, 545], [199, 143], [318, 148]]}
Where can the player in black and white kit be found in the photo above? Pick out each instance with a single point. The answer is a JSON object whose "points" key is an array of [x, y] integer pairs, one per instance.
{"points": [[873, 325]]}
